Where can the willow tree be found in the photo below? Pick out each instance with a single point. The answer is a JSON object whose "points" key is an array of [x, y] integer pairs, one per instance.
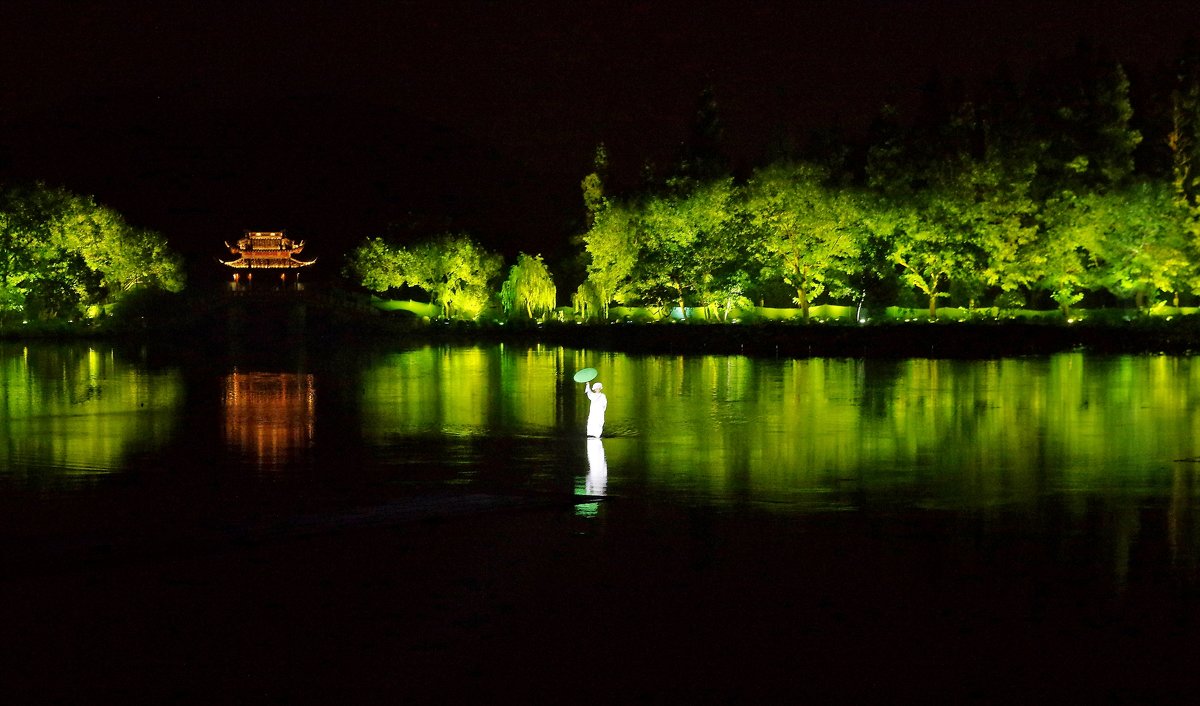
{"points": [[807, 232], [529, 286]]}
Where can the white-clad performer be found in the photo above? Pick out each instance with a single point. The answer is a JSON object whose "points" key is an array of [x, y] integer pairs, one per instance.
{"points": [[595, 422]]}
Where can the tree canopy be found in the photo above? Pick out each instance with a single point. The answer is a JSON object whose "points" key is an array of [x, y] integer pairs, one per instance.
{"points": [[453, 269], [61, 253]]}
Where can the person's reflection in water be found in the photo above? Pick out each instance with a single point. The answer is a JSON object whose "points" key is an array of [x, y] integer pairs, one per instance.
{"points": [[597, 477]]}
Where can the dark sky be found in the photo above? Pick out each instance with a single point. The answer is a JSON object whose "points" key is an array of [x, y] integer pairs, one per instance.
{"points": [[333, 120]]}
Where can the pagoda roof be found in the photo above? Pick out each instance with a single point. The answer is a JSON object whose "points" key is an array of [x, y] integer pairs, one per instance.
{"points": [[266, 250]]}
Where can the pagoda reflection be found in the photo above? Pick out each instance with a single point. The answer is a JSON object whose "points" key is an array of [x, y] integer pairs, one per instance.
{"points": [[269, 416]]}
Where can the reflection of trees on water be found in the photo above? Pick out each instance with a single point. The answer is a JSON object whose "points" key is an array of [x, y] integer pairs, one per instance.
{"points": [[877, 380], [1183, 519], [81, 408], [993, 438]]}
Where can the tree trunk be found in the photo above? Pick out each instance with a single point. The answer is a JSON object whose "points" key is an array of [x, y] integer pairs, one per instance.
{"points": [[932, 306], [804, 305]]}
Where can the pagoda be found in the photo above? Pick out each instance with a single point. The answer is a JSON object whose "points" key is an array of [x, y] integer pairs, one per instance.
{"points": [[266, 250]]}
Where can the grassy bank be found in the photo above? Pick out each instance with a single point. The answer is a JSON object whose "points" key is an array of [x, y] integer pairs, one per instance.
{"points": [[340, 318]]}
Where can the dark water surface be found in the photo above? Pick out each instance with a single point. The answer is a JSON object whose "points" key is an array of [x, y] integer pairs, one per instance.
{"points": [[314, 523]]}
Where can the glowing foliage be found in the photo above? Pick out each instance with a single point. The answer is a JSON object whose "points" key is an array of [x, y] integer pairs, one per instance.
{"points": [[613, 251], [807, 232], [453, 269], [687, 242], [529, 287], [61, 253]]}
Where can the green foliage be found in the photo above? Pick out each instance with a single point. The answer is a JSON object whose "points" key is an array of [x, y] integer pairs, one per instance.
{"points": [[1029, 195], [1144, 248], [808, 235], [453, 269], [529, 287], [61, 253], [689, 244], [585, 300], [1066, 252], [612, 248], [378, 265], [593, 185]]}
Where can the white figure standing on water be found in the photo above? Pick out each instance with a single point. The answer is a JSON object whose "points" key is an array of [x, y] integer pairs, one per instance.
{"points": [[595, 422]]}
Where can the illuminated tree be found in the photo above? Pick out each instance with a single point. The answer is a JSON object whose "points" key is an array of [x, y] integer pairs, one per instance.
{"points": [[996, 211], [932, 242], [684, 239], [62, 252], [808, 234], [1065, 252], [16, 256], [529, 286], [378, 265], [455, 270], [585, 299], [125, 257], [1143, 246], [612, 247]]}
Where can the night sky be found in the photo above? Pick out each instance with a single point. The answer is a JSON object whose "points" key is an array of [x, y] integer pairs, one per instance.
{"points": [[334, 120]]}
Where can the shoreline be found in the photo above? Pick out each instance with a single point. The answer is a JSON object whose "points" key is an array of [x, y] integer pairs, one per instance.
{"points": [[281, 322], [877, 340]]}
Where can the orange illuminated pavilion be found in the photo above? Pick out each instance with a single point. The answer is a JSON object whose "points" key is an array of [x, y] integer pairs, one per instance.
{"points": [[268, 250]]}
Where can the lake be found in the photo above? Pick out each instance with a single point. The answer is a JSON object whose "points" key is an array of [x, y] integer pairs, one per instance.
{"points": [[933, 526]]}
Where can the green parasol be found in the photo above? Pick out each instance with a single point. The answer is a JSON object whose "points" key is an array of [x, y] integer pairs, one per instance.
{"points": [[586, 375]]}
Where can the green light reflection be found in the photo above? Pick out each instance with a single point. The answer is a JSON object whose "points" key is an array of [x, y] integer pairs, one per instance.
{"points": [[80, 410]]}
